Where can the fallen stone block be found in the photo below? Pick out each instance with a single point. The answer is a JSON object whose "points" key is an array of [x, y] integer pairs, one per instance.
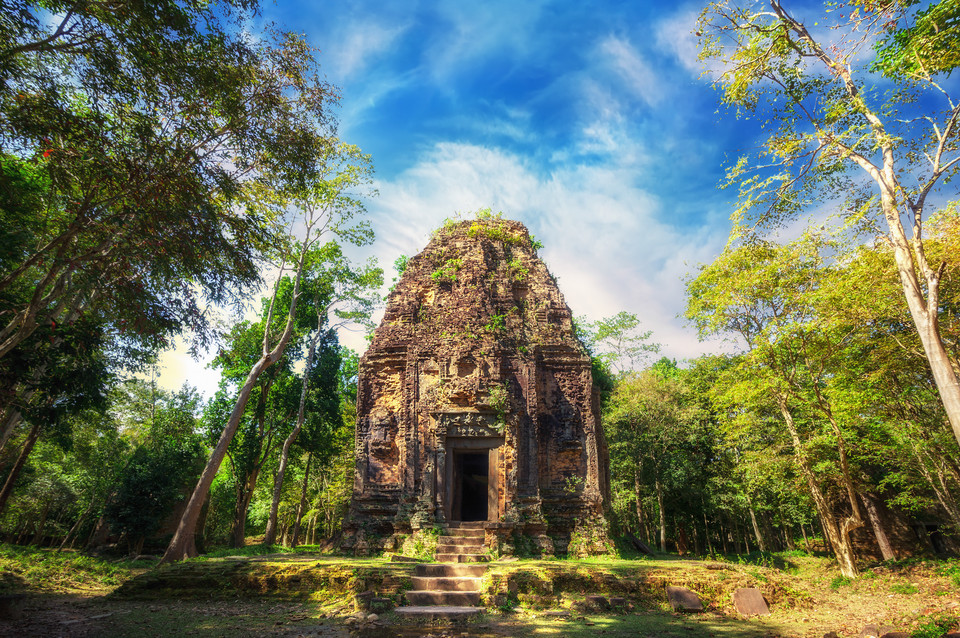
{"points": [[749, 602], [596, 603], [380, 605], [682, 599], [361, 601], [870, 631]]}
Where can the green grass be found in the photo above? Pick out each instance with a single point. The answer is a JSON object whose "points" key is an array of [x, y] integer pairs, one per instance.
{"points": [[904, 588], [41, 569], [935, 626]]}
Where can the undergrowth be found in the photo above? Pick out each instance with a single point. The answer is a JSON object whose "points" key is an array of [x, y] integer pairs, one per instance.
{"points": [[43, 569]]}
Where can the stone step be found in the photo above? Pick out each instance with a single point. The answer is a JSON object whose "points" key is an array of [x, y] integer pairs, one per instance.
{"points": [[445, 612], [439, 570], [460, 558], [446, 583], [472, 541], [467, 524], [453, 598], [464, 532], [447, 548]]}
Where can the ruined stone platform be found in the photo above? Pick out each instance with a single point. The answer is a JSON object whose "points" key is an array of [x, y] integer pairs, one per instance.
{"points": [[439, 612]]}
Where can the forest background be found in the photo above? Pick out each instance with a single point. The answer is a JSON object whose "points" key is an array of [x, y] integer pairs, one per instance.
{"points": [[142, 189]]}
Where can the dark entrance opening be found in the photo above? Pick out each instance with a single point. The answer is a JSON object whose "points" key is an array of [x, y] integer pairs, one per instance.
{"points": [[471, 478]]}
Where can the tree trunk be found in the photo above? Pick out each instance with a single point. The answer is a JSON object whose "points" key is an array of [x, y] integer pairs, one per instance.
{"points": [[302, 506], [238, 534], [38, 535], [756, 528], [706, 527], [925, 314], [873, 515], [76, 525], [270, 536], [663, 517], [18, 465], [11, 418], [183, 543], [838, 534]]}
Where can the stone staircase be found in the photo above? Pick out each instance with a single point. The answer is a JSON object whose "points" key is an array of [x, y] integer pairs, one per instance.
{"points": [[450, 589]]}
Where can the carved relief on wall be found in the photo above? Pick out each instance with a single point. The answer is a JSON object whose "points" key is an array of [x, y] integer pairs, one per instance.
{"points": [[564, 397], [466, 424], [379, 431]]}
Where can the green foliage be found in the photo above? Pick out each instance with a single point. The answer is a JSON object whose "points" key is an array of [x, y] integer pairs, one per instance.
{"points": [[840, 581], [905, 589], [135, 226], [498, 398], [45, 570], [920, 44], [496, 323], [494, 232], [422, 544], [400, 266], [158, 473], [447, 272], [618, 341], [935, 625], [516, 269]]}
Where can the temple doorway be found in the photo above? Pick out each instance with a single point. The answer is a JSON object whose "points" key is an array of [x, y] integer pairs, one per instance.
{"points": [[472, 481]]}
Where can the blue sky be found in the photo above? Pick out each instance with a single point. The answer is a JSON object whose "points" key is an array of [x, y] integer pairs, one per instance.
{"points": [[589, 122]]}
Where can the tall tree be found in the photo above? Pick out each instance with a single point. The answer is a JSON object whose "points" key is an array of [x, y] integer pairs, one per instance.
{"points": [[764, 294], [126, 132], [837, 132], [347, 295], [330, 205]]}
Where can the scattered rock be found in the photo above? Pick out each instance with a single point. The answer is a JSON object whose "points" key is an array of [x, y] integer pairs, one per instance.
{"points": [[639, 545], [563, 613], [897, 634], [831, 634], [749, 602], [870, 631], [596, 603], [380, 605], [361, 601], [373, 617], [717, 566], [682, 599], [397, 558]]}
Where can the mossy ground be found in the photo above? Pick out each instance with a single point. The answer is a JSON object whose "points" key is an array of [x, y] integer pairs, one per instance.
{"points": [[305, 594]]}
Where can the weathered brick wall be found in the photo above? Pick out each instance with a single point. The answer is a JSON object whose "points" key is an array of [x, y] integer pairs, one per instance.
{"points": [[476, 351]]}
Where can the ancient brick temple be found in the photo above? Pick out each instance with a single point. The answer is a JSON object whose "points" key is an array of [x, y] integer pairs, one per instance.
{"points": [[476, 402]]}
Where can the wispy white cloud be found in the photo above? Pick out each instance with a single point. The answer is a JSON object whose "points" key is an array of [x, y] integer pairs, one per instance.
{"points": [[476, 30], [676, 34], [609, 242], [358, 44], [635, 74]]}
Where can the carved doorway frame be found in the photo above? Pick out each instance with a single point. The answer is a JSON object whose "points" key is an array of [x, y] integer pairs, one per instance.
{"points": [[455, 445]]}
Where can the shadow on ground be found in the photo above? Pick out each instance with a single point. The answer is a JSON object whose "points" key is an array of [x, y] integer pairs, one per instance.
{"points": [[80, 616]]}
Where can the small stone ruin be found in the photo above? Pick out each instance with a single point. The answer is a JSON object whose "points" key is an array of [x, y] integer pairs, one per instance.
{"points": [[476, 404]]}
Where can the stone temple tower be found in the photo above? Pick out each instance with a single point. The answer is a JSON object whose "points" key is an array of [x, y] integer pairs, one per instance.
{"points": [[476, 403]]}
